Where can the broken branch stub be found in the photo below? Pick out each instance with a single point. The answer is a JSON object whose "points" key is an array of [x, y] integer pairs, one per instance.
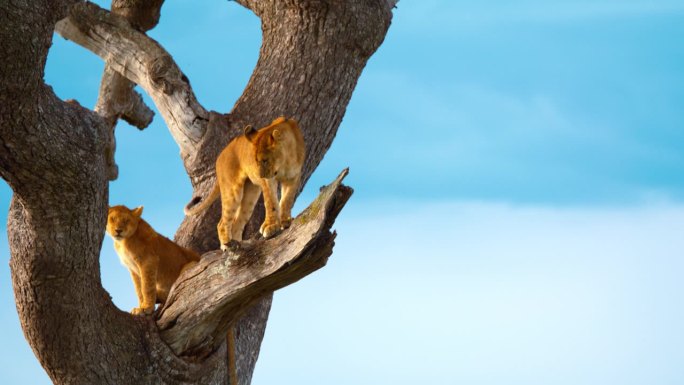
{"points": [[209, 297]]}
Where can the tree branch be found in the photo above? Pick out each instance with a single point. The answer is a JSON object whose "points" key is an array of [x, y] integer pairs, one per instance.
{"points": [[117, 99], [142, 60], [208, 298]]}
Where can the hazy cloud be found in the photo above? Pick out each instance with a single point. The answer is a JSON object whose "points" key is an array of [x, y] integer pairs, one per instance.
{"points": [[483, 293]]}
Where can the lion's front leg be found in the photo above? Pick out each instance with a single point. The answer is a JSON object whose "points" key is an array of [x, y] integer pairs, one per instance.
{"points": [[137, 285], [288, 190], [148, 286], [271, 225]]}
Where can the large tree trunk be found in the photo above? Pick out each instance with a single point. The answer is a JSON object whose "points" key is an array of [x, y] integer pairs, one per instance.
{"points": [[54, 155]]}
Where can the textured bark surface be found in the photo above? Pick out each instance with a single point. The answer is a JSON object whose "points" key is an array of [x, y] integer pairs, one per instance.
{"points": [[54, 156]]}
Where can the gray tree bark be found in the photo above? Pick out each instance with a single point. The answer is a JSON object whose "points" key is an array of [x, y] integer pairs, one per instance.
{"points": [[54, 156]]}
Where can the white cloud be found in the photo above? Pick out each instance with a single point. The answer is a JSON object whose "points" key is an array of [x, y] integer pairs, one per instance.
{"points": [[482, 293]]}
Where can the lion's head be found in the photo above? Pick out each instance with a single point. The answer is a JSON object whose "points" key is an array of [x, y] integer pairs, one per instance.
{"points": [[122, 222], [267, 143]]}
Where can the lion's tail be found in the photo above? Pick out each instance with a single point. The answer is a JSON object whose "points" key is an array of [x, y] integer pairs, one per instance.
{"points": [[197, 204]]}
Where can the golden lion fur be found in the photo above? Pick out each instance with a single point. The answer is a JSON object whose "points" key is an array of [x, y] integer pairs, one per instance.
{"points": [[154, 261], [249, 165]]}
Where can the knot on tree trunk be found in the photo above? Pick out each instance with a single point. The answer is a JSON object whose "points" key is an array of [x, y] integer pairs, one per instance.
{"points": [[164, 74]]}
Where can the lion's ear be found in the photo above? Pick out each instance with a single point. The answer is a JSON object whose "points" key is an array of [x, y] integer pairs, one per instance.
{"points": [[138, 211], [250, 132], [277, 135], [279, 120]]}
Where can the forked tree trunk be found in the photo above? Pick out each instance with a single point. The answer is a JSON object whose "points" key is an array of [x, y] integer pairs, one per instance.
{"points": [[54, 156]]}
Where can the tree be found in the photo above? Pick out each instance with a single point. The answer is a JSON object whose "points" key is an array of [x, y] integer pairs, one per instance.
{"points": [[57, 158]]}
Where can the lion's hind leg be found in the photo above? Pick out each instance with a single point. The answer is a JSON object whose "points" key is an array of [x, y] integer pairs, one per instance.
{"points": [[231, 196], [250, 196]]}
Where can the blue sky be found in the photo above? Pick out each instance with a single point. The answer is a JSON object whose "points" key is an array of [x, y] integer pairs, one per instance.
{"points": [[518, 203]]}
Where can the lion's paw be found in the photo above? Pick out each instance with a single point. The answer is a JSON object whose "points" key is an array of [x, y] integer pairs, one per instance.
{"points": [[271, 230], [142, 310], [285, 222], [231, 245]]}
